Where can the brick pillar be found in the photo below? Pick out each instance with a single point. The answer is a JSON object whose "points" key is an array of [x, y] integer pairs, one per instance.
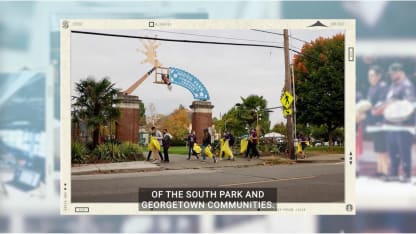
{"points": [[201, 118], [127, 127]]}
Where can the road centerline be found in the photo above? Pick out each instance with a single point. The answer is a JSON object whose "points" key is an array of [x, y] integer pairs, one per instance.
{"points": [[267, 181]]}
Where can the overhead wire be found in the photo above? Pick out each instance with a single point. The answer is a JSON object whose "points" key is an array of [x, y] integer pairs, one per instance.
{"points": [[210, 36], [175, 40], [186, 41], [281, 34]]}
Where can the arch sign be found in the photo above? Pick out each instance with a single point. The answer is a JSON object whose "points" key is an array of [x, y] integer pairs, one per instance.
{"points": [[189, 82]]}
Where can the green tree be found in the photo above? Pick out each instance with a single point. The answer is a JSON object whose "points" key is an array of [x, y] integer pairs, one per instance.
{"points": [[252, 109], [302, 128], [244, 115], [280, 128], [177, 123], [95, 104], [320, 133], [231, 121], [142, 114], [319, 74]]}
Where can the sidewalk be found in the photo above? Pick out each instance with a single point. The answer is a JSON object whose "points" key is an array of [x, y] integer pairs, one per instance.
{"points": [[179, 162], [329, 158]]}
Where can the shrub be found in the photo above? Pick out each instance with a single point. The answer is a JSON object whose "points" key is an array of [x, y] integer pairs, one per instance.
{"points": [[109, 151], [102, 152], [78, 152], [116, 154], [130, 150]]}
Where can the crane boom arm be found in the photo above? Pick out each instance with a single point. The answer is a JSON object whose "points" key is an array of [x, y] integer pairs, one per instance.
{"points": [[138, 82]]}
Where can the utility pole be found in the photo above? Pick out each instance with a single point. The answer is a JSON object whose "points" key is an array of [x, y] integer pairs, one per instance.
{"points": [[288, 88]]}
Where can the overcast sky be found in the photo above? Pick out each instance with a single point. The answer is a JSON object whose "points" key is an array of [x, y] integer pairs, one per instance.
{"points": [[228, 72]]}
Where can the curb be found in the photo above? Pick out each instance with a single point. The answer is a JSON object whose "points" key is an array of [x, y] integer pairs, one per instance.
{"points": [[109, 171], [213, 166]]}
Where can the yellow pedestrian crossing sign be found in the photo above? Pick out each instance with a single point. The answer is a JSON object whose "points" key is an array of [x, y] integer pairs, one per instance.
{"points": [[287, 112], [286, 99]]}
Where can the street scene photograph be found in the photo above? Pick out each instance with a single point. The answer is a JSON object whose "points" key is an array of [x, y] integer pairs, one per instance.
{"points": [[243, 108]]}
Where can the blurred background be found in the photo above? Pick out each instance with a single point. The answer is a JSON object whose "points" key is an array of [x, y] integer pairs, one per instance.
{"points": [[29, 119]]}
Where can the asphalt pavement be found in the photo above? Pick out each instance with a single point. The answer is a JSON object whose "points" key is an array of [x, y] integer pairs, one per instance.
{"points": [[321, 181]]}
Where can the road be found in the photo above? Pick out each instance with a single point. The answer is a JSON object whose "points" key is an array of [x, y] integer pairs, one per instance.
{"points": [[318, 182]]}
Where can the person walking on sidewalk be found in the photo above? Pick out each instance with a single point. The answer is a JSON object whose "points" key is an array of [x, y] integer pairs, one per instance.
{"points": [[206, 143], [303, 144], [158, 136], [252, 144], [191, 142], [166, 144]]}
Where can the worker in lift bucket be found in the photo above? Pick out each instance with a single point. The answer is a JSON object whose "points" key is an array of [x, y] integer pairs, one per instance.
{"points": [[166, 80]]}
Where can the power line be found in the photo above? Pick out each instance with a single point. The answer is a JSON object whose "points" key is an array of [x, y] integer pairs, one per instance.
{"points": [[202, 35], [293, 50], [184, 41], [258, 30], [299, 39], [280, 35], [176, 40]]}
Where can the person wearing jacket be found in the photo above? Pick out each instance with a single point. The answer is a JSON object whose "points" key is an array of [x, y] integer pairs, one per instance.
{"points": [[158, 136], [399, 137], [377, 96], [166, 144]]}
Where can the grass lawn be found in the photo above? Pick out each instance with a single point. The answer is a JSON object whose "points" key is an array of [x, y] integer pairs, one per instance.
{"points": [[183, 150], [178, 150], [325, 150]]}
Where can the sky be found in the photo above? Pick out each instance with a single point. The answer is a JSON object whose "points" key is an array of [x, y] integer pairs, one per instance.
{"points": [[228, 72]]}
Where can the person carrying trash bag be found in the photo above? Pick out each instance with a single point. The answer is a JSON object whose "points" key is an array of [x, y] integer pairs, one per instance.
{"points": [[230, 139], [206, 146], [243, 145], [157, 135], [252, 145], [191, 143], [303, 142], [227, 150], [222, 141], [196, 149], [154, 147]]}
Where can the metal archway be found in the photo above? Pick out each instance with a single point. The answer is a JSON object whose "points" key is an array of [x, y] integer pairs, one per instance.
{"points": [[190, 82]]}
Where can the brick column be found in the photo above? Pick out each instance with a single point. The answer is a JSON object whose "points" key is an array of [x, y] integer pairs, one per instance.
{"points": [[127, 127], [201, 117]]}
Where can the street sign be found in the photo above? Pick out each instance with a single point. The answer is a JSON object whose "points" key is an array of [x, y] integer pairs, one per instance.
{"points": [[287, 112], [286, 99]]}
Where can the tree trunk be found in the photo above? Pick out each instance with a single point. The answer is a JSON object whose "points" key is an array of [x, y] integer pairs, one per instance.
{"points": [[330, 137], [95, 136], [331, 142]]}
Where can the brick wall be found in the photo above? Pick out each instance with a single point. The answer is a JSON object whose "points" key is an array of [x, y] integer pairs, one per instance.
{"points": [[201, 118], [127, 126], [200, 121]]}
